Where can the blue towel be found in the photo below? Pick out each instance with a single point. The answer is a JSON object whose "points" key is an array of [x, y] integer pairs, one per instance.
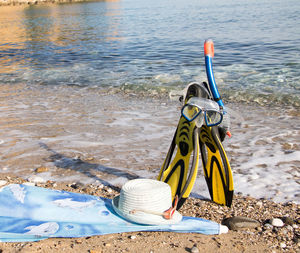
{"points": [[29, 213]]}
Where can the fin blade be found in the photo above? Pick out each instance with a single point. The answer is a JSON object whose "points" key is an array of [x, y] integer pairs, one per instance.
{"points": [[216, 167]]}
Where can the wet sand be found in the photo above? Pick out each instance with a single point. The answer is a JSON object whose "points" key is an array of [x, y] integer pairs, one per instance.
{"points": [[91, 135]]}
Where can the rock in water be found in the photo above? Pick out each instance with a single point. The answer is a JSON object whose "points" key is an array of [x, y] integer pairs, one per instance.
{"points": [[239, 223], [41, 169]]}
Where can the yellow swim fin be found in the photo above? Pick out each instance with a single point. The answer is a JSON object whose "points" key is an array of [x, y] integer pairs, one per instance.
{"points": [[217, 170], [181, 171]]}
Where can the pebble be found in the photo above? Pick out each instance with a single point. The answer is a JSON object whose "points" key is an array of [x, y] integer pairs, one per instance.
{"points": [[194, 250], [3, 182], [76, 185], [288, 221], [276, 222], [36, 179], [239, 222], [132, 237], [259, 204], [282, 245], [41, 169], [95, 251]]}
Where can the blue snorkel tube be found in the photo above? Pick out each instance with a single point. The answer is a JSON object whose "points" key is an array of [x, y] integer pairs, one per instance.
{"points": [[209, 54]]}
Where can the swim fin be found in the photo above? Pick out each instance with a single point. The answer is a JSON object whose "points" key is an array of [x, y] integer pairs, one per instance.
{"points": [[216, 167], [217, 170], [180, 173]]}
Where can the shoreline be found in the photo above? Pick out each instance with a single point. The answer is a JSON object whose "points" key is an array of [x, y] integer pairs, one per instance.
{"points": [[261, 239], [36, 2]]}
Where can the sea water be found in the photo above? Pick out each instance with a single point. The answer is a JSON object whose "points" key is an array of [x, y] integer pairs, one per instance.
{"points": [[64, 68]]}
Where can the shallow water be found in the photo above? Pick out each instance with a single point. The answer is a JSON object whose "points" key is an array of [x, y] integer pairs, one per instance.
{"points": [[79, 88], [85, 135], [156, 44]]}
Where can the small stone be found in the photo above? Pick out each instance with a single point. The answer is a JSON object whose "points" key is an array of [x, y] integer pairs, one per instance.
{"points": [[41, 169], [132, 237], [276, 222], [288, 221], [95, 251], [107, 244], [295, 226], [194, 249], [239, 222], [76, 185], [268, 226], [282, 245], [3, 182], [259, 229], [259, 204], [36, 179]]}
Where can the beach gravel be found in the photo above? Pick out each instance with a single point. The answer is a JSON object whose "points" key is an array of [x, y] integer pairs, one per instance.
{"points": [[263, 238]]}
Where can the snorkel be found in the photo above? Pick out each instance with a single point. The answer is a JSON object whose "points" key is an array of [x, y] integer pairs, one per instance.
{"points": [[209, 54]]}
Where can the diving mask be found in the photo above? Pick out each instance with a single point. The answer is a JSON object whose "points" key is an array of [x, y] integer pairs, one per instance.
{"points": [[202, 109]]}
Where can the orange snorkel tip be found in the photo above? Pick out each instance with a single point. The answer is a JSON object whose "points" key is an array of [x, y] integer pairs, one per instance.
{"points": [[209, 48]]}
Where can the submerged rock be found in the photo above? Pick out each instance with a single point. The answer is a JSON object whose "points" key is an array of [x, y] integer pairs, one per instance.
{"points": [[240, 222], [41, 169]]}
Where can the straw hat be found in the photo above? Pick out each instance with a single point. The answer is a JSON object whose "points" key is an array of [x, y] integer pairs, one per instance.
{"points": [[145, 201]]}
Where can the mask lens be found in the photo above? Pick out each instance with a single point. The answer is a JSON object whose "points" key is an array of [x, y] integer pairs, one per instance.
{"points": [[190, 112], [212, 118]]}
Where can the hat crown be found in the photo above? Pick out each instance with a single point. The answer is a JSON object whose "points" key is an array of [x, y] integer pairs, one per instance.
{"points": [[145, 194], [145, 201]]}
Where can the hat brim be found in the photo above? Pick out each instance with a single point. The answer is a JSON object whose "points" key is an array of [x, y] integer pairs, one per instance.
{"points": [[145, 218]]}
